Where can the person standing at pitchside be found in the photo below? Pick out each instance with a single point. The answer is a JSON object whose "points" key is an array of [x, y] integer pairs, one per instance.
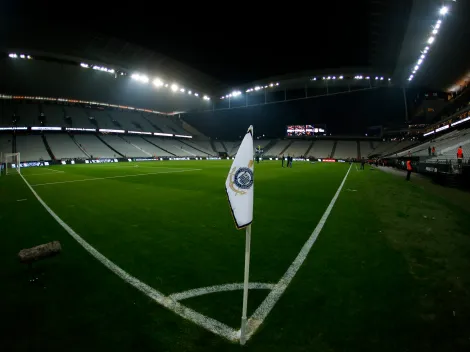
{"points": [[408, 169]]}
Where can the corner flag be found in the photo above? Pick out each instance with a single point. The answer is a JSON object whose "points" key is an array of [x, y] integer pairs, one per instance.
{"points": [[239, 187], [239, 183]]}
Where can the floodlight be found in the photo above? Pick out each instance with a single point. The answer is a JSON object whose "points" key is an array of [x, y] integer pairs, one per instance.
{"points": [[189, 92], [257, 88], [420, 61], [340, 77], [84, 65], [367, 77], [438, 25], [271, 84], [29, 57], [166, 85], [329, 77], [434, 31], [431, 40], [196, 94], [182, 90], [13, 56], [144, 79], [265, 86], [135, 76], [389, 79], [323, 78], [334, 77], [157, 82], [376, 77], [206, 97], [174, 87], [277, 83], [381, 78], [422, 56], [439, 22], [22, 56], [416, 68], [443, 10]]}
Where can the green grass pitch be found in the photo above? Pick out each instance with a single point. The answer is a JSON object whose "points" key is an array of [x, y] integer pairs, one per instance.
{"points": [[389, 271]]}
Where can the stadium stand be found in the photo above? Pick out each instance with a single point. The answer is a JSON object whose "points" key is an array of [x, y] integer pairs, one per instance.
{"points": [[322, 149], [219, 147], [446, 146], [79, 117], [346, 149], [28, 114], [31, 148], [202, 146], [123, 147], [146, 146], [54, 115], [366, 148], [63, 147], [298, 148], [94, 147], [5, 143], [277, 149]]}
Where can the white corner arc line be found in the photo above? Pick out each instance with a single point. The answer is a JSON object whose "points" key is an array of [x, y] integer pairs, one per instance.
{"points": [[219, 288], [267, 305], [110, 177], [210, 324]]}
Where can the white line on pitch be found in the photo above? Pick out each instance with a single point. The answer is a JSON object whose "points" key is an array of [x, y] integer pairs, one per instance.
{"points": [[210, 324], [263, 310], [105, 178], [21, 200], [219, 288], [53, 170]]}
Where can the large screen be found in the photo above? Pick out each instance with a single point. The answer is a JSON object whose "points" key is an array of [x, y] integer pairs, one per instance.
{"points": [[303, 130]]}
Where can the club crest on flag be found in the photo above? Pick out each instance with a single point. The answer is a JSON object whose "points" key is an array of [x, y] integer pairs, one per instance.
{"points": [[241, 179]]}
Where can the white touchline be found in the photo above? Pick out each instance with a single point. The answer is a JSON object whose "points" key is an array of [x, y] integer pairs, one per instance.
{"points": [[210, 324], [219, 288], [263, 310], [105, 178], [53, 170]]}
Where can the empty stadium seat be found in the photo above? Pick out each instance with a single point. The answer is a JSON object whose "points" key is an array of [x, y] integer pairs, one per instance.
{"points": [[94, 147], [31, 148], [322, 149], [63, 147], [346, 149]]}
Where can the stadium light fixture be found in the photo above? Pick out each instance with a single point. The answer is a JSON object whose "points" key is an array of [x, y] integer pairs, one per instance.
{"points": [[389, 79], [84, 65], [434, 31], [196, 94], [431, 40], [13, 55], [182, 90], [265, 86], [381, 78], [334, 77], [174, 87], [438, 25], [22, 56], [329, 77], [277, 83], [257, 88], [340, 77], [367, 77], [420, 61], [236, 93], [416, 68], [189, 92], [271, 85], [29, 57], [444, 10], [422, 56], [206, 97], [157, 82]]}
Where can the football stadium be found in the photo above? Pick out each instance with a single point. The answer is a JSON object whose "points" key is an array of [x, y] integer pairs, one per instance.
{"points": [[159, 193]]}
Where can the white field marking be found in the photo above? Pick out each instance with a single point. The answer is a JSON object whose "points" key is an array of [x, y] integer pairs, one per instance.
{"points": [[53, 170], [219, 288], [356, 167], [263, 310], [105, 178], [38, 174], [21, 200], [210, 324]]}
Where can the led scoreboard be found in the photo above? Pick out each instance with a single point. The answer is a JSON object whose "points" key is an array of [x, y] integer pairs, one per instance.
{"points": [[305, 130]]}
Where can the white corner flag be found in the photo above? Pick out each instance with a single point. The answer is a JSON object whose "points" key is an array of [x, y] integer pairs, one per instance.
{"points": [[240, 188]]}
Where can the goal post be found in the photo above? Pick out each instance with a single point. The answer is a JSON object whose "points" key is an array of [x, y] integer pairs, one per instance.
{"points": [[10, 163]]}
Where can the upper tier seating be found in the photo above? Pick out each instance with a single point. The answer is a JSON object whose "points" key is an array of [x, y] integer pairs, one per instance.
{"points": [[31, 148]]}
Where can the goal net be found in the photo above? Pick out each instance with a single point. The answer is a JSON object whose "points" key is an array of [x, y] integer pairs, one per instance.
{"points": [[10, 163]]}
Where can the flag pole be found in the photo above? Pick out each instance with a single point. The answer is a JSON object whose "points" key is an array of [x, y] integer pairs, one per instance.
{"points": [[245, 285]]}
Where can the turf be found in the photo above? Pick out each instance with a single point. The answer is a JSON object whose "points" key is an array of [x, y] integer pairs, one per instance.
{"points": [[389, 271]]}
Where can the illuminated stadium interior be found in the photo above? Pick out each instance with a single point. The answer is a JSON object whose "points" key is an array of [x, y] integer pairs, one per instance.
{"points": [[131, 141]]}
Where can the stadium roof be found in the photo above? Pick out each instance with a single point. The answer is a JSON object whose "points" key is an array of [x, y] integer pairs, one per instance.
{"points": [[232, 46]]}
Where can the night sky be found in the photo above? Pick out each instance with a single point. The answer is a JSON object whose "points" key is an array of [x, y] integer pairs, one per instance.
{"points": [[234, 42]]}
